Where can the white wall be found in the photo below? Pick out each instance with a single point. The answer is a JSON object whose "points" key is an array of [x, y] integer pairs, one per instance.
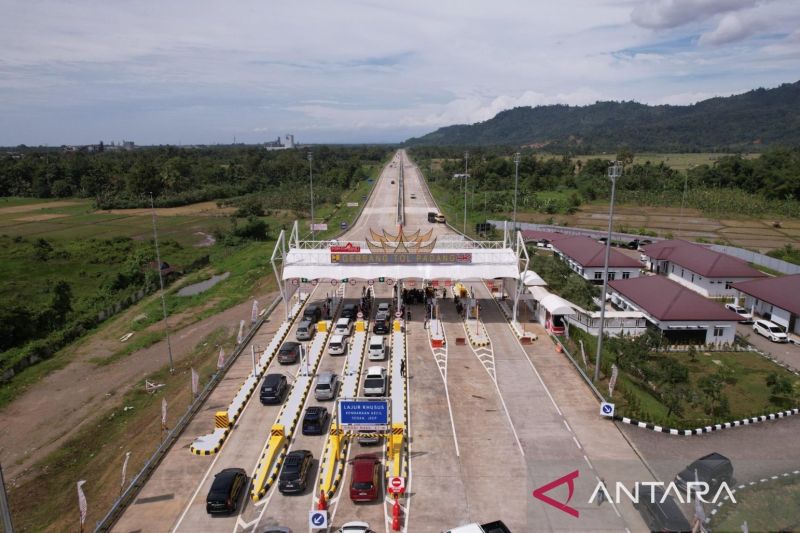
{"points": [[728, 330], [589, 273], [708, 287]]}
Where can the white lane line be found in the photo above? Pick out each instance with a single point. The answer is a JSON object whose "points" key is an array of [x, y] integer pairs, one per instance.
{"points": [[568, 428], [578, 444], [588, 462], [508, 416]]}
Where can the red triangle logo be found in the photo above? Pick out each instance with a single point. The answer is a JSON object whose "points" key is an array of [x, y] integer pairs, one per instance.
{"points": [[569, 479]]}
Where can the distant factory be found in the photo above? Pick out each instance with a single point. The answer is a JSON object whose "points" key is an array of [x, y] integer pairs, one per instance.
{"points": [[281, 144]]}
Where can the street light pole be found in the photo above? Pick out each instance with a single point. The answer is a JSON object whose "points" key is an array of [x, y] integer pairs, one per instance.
{"points": [[311, 180], [161, 284], [516, 184], [466, 177], [614, 171], [683, 198]]}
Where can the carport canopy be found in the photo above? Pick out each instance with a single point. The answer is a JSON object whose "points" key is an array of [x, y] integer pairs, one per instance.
{"points": [[554, 304]]}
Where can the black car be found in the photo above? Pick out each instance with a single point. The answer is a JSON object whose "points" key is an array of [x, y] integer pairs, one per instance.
{"points": [[294, 475], [431, 216], [273, 389], [349, 311], [713, 469], [315, 421], [223, 496], [312, 313], [289, 353], [381, 326], [661, 515]]}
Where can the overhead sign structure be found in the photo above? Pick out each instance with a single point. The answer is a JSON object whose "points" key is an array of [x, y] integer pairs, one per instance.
{"points": [[397, 485], [357, 414], [607, 409], [348, 248], [318, 519], [401, 259]]}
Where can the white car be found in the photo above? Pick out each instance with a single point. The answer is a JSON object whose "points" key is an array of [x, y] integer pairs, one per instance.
{"points": [[377, 348], [344, 327], [770, 330], [385, 308], [375, 382], [356, 527], [747, 317], [337, 345]]}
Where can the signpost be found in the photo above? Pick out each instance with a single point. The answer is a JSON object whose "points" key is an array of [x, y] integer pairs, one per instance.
{"points": [[371, 282], [359, 414], [319, 227], [352, 281], [318, 519], [334, 282], [389, 281], [352, 204], [607, 409]]}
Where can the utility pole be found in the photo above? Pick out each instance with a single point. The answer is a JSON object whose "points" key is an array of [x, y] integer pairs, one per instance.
{"points": [[614, 171], [311, 180], [516, 183], [466, 176], [161, 283]]}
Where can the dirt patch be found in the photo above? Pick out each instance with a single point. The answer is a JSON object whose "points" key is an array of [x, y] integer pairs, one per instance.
{"points": [[199, 209], [36, 207], [40, 218], [208, 240]]}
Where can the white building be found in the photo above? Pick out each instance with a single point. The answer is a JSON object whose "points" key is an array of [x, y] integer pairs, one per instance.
{"points": [[701, 269], [682, 315], [776, 299], [586, 256]]}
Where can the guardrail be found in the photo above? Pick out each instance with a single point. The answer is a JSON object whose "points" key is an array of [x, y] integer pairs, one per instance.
{"points": [[146, 471]]}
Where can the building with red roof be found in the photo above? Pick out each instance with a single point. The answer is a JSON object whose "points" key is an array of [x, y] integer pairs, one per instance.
{"points": [[776, 299], [682, 315], [699, 268], [586, 257]]}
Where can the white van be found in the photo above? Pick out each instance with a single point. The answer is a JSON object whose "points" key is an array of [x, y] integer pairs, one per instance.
{"points": [[770, 330], [337, 345], [344, 326], [377, 348]]}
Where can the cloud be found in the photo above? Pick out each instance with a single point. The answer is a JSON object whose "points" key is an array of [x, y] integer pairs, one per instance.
{"points": [[734, 27], [684, 98], [660, 14]]}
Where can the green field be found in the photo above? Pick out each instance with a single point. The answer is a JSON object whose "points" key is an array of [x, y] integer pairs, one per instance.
{"points": [[770, 506]]}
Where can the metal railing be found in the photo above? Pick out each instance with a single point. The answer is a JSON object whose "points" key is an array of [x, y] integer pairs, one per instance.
{"points": [[138, 482]]}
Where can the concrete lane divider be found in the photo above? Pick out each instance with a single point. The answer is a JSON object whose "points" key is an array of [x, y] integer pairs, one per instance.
{"points": [[276, 445]]}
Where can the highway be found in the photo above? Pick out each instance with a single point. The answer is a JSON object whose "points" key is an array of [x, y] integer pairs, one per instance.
{"points": [[482, 438]]}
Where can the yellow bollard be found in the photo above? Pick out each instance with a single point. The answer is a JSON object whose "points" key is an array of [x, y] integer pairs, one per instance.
{"points": [[221, 420], [396, 326], [359, 325], [322, 326]]}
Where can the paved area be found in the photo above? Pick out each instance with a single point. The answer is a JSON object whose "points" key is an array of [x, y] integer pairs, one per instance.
{"points": [[787, 353]]}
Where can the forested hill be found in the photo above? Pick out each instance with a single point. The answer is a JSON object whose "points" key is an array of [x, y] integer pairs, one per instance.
{"points": [[749, 121]]}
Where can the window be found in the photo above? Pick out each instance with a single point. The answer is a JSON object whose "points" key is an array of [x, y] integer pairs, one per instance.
{"points": [[611, 276], [626, 275], [692, 277], [681, 272], [598, 275], [718, 332], [728, 285]]}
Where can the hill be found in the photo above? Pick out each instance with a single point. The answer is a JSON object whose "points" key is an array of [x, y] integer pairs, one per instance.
{"points": [[749, 122]]}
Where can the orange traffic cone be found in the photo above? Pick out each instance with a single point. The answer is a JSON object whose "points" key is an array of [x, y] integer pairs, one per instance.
{"points": [[323, 505], [396, 515]]}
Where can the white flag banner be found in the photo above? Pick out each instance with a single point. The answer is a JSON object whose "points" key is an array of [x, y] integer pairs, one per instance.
{"points": [[613, 381], [195, 382], [699, 512], [221, 358], [254, 316], [124, 469], [163, 413], [82, 506], [240, 336], [583, 354]]}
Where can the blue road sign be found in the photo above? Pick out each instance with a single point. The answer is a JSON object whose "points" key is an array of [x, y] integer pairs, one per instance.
{"points": [[318, 519], [607, 409], [363, 412]]}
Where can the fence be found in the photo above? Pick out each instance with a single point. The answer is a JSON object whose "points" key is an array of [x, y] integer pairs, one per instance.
{"points": [[760, 259], [149, 467]]}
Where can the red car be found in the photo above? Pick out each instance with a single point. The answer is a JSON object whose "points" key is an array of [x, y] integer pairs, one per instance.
{"points": [[365, 478]]}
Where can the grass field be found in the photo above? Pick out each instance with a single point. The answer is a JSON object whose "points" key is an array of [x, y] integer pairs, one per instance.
{"points": [[770, 506]]}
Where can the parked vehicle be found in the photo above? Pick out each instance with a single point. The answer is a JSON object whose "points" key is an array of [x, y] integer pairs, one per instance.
{"points": [[312, 313], [713, 469], [349, 311], [365, 478], [440, 218], [274, 389], [344, 326], [315, 420], [227, 487], [305, 331], [294, 474], [661, 515], [368, 438], [337, 345], [747, 316], [327, 386], [377, 348], [431, 216], [491, 527], [375, 382], [289, 353], [355, 527], [770, 330], [381, 326]]}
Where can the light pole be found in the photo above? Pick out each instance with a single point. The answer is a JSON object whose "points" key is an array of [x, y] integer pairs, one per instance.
{"points": [[683, 198], [161, 284], [311, 181], [516, 184], [466, 176], [614, 171]]}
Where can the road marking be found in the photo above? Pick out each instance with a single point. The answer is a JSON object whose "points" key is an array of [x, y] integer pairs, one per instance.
{"points": [[578, 444], [588, 462], [568, 428]]}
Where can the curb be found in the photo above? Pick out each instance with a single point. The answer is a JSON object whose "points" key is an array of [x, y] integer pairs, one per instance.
{"points": [[708, 429]]}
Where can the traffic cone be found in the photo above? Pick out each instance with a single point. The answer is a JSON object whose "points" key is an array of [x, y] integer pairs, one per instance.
{"points": [[396, 508], [322, 505], [396, 523]]}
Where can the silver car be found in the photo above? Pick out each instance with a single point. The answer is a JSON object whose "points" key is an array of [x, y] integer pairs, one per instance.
{"points": [[327, 386], [305, 331]]}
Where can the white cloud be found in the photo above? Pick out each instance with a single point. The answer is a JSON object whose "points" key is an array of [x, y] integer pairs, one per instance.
{"points": [[734, 27], [684, 98], [672, 13]]}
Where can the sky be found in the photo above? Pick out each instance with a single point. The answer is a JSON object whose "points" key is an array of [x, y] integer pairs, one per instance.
{"points": [[203, 72]]}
